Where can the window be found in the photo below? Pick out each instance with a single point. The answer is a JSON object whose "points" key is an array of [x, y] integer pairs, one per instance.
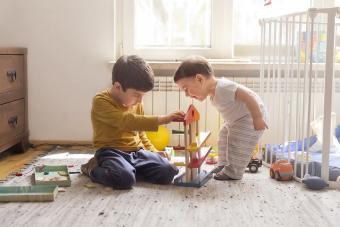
{"points": [[173, 29], [247, 32], [246, 19], [172, 24]]}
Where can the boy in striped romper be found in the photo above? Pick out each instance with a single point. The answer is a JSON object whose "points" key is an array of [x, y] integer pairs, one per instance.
{"points": [[243, 112]]}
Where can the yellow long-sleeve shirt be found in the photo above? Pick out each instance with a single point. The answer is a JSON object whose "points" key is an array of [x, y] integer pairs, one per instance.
{"points": [[119, 127]]}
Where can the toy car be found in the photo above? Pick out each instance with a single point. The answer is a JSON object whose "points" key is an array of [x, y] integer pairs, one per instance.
{"points": [[281, 170], [254, 165]]}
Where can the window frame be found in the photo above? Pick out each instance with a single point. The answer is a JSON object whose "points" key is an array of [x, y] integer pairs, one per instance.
{"points": [[222, 44], [221, 39]]}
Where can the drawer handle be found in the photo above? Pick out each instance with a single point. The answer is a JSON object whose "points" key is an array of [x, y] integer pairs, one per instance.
{"points": [[13, 121], [12, 74]]}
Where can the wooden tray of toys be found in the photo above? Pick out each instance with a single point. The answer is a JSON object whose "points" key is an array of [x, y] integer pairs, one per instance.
{"points": [[35, 193], [52, 175]]}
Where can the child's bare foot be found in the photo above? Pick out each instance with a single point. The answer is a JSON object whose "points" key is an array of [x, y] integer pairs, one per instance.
{"points": [[217, 169], [222, 176], [89, 166]]}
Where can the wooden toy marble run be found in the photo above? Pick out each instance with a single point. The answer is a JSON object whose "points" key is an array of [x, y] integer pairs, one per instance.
{"points": [[194, 150]]}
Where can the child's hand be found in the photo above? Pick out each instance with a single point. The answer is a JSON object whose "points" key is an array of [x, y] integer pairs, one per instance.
{"points": [[166, 119], [177, 115], [163, 154], [260, 124]]}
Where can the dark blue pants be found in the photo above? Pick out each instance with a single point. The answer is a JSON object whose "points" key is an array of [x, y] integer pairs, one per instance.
{"points": [[119, 169]]}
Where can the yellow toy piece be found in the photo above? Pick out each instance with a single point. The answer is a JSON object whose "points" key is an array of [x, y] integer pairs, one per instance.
{"points": [[159, 139], [212, 158], [255, 151], [213, 153]]}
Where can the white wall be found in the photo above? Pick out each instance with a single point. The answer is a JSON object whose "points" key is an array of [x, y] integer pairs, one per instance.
{"points": [[69, 45]]}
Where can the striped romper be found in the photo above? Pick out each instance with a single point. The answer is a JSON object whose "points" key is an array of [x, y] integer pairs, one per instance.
{"points": [[237, 137]]}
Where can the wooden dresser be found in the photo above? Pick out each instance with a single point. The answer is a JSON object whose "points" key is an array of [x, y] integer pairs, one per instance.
{"points": [[13, 99]]}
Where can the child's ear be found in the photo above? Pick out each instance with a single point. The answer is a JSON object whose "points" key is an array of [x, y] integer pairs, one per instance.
{"points": [[117, 86], [200, 78]]}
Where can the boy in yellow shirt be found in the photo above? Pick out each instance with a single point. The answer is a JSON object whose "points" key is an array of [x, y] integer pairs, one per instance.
{"points": [[124, 152]]}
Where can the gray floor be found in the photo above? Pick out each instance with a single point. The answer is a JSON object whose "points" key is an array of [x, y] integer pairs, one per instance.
{"points": [[256, 200]]}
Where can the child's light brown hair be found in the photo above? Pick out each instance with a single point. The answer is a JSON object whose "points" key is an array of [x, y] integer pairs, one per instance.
{"points": [[192, 66]]}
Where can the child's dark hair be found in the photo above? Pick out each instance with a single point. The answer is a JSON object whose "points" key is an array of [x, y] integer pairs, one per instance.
{"points": [[191, 66], [131, 71]]}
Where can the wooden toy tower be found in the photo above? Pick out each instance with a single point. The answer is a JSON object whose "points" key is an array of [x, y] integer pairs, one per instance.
{"points": [[195, 152]]}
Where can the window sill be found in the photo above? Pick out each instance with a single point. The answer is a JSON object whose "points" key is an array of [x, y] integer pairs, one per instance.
{"points": [[220, 66], [225, 67], [217, 64]]}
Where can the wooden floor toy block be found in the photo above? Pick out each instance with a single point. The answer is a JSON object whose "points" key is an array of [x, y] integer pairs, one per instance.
{"points": [[201, 178], [52, 175], [35, 193]]}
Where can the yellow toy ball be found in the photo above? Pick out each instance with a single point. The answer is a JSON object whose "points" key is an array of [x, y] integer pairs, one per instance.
{"points": [[160, 139]]}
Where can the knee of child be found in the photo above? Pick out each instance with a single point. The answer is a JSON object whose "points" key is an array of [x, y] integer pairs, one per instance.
{"points": [[127, 180], [167, 173], [123, 179]]}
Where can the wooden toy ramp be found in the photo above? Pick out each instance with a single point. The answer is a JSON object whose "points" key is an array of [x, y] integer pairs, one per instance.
{"points": [[195, 151], [197, 179]]}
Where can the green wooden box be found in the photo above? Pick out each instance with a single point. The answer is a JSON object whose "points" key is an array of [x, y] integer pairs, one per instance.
{"points": [[35, 193], [52, 175]]}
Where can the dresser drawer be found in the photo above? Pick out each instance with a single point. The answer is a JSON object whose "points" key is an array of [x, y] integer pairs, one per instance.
{"points": [[12, 118], [11, 73]]}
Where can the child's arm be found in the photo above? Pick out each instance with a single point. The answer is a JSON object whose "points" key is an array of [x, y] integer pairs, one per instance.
{"points": [[103, 111], [146, 142], [253, 107], [166, 119]]}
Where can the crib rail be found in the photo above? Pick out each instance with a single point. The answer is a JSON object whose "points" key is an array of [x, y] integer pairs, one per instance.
{"points": [[298, 70]]}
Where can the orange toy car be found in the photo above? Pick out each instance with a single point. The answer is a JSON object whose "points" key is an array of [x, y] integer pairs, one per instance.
{"points": [[281, 170]]}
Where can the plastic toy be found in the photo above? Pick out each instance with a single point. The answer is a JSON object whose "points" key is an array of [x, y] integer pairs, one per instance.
{"points": [[194, 150], [169, 151], [313, 182], [281, 170], [254, 164], [212, 158], [159, 139]]}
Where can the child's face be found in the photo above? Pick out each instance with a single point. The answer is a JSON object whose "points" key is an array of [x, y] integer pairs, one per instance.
{"points": [[130, 97], [193, 87]]}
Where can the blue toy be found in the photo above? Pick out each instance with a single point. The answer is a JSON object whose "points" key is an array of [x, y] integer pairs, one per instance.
{"points": [[337, 133], [314, 183]]}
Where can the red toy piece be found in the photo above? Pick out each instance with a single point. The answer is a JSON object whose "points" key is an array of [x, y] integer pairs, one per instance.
{"points": [[267, 2], [281, 170]]}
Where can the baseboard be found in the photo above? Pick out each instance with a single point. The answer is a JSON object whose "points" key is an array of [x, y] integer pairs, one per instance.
{"points": [[61, 142]]}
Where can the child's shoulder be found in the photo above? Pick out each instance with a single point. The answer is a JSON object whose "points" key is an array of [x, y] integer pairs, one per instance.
{"points": [[104, 99], [101, 95], [225, 84], [224, 81]]}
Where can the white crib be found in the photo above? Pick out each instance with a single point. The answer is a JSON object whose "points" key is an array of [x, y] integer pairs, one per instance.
{"points": [[299, 83]]}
